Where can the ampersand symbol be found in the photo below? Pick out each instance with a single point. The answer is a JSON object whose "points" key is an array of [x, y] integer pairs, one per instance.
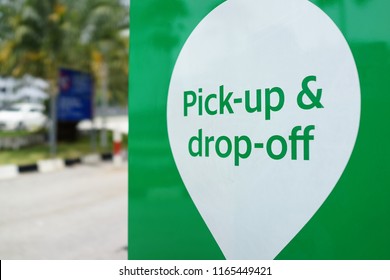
{"points": [[306, 91]]}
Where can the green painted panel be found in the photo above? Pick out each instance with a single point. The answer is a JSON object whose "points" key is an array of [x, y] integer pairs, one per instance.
{"points": [[353, 223], [163, 221]]}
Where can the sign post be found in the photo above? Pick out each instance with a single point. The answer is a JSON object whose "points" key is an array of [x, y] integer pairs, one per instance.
{"points": [[74, 102]]}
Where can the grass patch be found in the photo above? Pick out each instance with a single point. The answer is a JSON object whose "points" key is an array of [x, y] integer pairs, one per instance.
{"points": [[5, 134], [29, 155]]}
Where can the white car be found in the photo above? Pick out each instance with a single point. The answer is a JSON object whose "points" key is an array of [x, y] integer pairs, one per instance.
{"points": [[23, 116]]}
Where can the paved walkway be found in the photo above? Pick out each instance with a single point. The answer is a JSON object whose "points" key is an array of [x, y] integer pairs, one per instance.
{"points": [[76, 213]]}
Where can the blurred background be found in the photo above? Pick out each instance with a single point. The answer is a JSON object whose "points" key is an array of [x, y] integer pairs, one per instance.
{"points": [[63, 129]]}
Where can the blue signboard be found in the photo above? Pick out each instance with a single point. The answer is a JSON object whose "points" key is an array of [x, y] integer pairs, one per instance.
{"points": [[75, 100]]}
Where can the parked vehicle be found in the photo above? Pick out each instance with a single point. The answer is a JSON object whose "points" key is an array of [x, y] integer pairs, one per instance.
{"points": [[23, 116]]}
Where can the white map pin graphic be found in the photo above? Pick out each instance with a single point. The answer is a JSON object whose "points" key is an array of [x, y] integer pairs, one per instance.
{"points": [[254, 208]]}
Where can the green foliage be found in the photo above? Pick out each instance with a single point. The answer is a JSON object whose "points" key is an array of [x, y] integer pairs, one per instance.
{"points": [[38, 36], [30, 155]]}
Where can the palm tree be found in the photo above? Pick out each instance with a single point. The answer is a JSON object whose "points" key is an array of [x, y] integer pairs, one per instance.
{"points": [[100, 32], [41, 35]]}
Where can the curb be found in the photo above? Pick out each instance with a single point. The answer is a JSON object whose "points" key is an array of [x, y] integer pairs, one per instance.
{"points": [[9, 171], [50, 165]]}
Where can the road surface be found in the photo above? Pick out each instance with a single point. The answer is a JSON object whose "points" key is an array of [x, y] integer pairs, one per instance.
{"points": [[76, 213]]}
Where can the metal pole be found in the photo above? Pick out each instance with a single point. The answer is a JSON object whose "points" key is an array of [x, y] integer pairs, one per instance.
{"points": [[93, 136], [53, 126], [103, 133]]}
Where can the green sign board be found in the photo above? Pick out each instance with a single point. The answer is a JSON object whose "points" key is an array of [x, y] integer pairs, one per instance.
{"points": [[259, 129]]}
